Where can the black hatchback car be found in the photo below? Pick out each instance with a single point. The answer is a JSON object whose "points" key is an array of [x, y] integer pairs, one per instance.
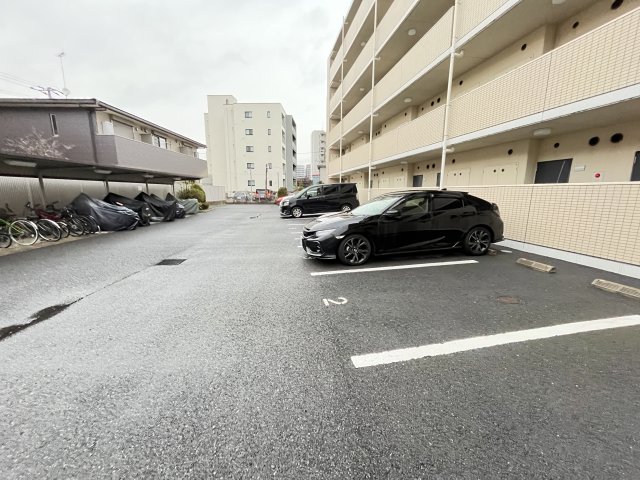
{"points": [[337, 197], [403, 222]]}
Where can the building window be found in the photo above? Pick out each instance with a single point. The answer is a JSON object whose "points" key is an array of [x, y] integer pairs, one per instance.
{"points": [[249, 148], [54, 125], [283, 154], [159, 141], [271, 183], [248, 131], [268, 113], [248, 114], [268, 131], [250, 166], [251, 183], [269, 148]]}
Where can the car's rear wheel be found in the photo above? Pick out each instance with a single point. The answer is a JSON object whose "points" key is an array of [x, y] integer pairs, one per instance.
{"points": [[354, 250], [296, 212], [345, 208], [477, 241]]}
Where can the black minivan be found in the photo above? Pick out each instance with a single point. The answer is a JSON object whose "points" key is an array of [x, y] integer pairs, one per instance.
{"points": [[338, 197]]}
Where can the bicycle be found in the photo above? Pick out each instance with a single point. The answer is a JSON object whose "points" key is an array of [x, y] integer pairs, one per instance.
{"points": [[21, 231], [48, 230]]}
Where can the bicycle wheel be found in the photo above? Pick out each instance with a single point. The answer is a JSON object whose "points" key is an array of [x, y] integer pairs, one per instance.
{"points": [[64, 228], [86, 225], [76, 227], [49, 230], [23, 232], [95, 227], [5, 240]]}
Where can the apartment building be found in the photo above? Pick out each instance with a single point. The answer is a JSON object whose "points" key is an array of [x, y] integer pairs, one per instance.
{"points": [[318, 153], [249, 145], [531, 103], [54, 149]]}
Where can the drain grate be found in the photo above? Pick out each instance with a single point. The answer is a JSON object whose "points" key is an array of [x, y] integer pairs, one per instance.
{"points": [[172, 261]]}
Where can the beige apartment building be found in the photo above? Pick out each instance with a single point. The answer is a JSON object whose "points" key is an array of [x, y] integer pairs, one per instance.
{"points": [[249, 145], [318, 154], [534, 104]]}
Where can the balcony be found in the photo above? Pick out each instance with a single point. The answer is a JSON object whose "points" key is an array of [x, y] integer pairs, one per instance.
{"points": [[415, 135], [130, 154], [598, 63], [427, 50]]}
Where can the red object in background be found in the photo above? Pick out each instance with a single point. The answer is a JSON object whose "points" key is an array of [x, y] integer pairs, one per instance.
{"points": [[597, 175]]}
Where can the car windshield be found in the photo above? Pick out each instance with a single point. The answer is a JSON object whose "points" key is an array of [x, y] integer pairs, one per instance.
{"points": [[301, 192], [377, 205]]}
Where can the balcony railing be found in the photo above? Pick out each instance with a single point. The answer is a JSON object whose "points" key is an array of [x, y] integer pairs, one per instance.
{"points": [[124, 152], [601, 61], [356, 24], [472, 14], [397, 11]]}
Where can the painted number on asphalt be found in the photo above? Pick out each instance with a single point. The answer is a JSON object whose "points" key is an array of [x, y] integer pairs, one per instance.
{"points": [[328, 301]]}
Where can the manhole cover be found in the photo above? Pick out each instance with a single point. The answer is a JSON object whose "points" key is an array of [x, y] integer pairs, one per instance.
{"points": [[509, 300], [172, 261]]}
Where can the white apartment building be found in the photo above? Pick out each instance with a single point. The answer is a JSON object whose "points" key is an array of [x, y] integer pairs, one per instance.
{"points": [[249, 145], [534, 104], [318, 153]]}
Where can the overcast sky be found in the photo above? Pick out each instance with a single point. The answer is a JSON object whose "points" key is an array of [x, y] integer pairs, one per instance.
{"points": [[159, 59]]}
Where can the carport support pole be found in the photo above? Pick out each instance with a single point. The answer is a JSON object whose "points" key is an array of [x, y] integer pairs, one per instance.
{"points": [[106, 185], [447, 107], [146, 182], [373, 84], [43, 194], [344, 20]]}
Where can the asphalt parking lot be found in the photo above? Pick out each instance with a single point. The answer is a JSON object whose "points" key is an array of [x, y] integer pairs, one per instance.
{"points": [[239, 362]]}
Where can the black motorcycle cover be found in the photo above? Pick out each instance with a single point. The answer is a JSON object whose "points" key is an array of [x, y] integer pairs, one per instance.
{"points": [[109, 217], [141, 208], [160, 208]]}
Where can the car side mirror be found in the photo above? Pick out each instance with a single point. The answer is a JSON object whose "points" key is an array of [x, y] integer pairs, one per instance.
{"points": [[392, 213]]}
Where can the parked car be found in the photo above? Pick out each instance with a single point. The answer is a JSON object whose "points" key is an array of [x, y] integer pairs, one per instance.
{"points": [[263, 195], [339, 197], [242, 197], [404, 222]]}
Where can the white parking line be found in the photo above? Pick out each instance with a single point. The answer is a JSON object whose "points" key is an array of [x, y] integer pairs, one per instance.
{"points": [[397, 267], [474, 343], [297, 224], [506, 251]]}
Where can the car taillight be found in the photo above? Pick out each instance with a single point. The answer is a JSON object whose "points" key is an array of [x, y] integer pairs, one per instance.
{"points": [[495, 208]]}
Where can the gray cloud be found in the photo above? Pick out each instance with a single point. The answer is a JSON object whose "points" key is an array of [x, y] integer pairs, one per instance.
{"points": [[159, 59]]}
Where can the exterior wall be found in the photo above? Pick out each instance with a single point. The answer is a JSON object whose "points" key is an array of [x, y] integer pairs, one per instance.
{"points": [[572, 69], [18, 191], [31, 129], [228, 139], [318, 151], [291, 153]]}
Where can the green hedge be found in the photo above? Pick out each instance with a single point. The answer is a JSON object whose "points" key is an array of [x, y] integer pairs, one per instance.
{"points": [[193, 190], [282, 191]]}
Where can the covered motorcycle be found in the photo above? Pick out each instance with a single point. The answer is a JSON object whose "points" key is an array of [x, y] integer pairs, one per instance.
{"points": [[190, 205], [166, 210], [141, 208], [109, 217]]}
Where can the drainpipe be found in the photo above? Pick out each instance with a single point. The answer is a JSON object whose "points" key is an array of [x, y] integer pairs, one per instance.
{"points": [[373, 82], [447, 108], [341, 95]]}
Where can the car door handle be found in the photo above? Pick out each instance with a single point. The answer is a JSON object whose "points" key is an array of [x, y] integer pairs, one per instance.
{"points": [[465, 214]]}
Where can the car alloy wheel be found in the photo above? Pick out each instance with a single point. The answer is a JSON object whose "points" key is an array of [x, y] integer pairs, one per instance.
{"points": [[296, 212], [354, 250], [477, 241], [345, 208]]}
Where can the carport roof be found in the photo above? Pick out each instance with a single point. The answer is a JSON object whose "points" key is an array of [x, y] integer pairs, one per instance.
{"points": [[52, 168], [91, 104]]}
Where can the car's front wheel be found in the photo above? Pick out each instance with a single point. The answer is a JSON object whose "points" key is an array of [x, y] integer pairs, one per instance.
{"points": [[354, 250], [477, 241], [345, 208], [296, 212]]}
